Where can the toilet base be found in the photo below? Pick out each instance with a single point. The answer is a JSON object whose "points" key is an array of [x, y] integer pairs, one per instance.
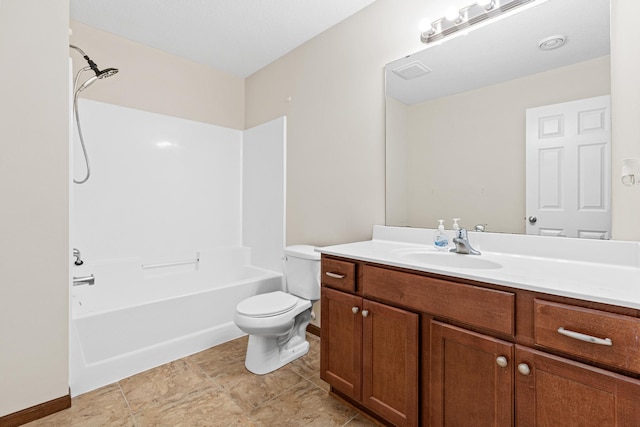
{"points": [[267, 353]]}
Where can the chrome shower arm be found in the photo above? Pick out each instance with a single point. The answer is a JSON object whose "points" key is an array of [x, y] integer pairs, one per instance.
{"points": [[92, 64], [78, 49]]}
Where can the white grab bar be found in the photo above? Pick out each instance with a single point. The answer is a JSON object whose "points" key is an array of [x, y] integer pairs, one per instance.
{"points": [[171, 263]]}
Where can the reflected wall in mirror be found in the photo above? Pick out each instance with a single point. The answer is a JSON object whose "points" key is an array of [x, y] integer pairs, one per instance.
{"points": [[456, 134]]}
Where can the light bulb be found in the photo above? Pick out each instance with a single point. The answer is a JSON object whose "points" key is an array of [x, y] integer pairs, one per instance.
{"points": [[425, 26], [452, 14]]}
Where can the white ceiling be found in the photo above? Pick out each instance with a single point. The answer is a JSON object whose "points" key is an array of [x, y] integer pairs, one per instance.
{"points": [[236, 36]]}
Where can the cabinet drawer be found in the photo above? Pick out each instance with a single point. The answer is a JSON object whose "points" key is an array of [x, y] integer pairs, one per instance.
{"points": [[339, 274], [481, 307], [612, 339]]}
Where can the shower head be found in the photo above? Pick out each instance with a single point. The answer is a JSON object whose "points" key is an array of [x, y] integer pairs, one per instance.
{"points": [[108, 72], [99, 74]]}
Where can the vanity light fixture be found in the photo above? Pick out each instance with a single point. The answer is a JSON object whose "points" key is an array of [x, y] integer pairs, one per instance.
{"points": [[457, 16], [458, 20], [487, 4], [429, 28]]}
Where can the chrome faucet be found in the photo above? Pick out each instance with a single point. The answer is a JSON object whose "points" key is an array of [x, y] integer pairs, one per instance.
{"points": [[84, 280], [462, 244], [76, 253]]}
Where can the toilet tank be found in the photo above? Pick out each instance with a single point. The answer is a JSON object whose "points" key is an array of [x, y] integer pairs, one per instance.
{"points": [[302, 270]]}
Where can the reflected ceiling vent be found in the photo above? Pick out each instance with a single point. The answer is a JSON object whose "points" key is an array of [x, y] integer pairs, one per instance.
{"points": [[552, 42], [412, 70]]}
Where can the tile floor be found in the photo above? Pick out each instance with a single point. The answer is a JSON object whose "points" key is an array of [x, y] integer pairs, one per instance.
{"points": [[213, 388]]}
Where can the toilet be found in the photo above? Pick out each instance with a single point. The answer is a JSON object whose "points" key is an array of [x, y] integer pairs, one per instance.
{"points": [[277, 321]]}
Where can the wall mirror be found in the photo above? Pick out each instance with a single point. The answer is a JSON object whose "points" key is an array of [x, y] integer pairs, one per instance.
{"points": [[456, 115]]}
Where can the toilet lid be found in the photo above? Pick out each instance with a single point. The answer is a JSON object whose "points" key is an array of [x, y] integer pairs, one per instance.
{"points": [[265, 305]]}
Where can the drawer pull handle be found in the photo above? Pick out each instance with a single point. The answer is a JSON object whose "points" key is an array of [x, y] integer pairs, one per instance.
{"points": [[335, 275], [584, 337], [355, 310], [365, 313]]}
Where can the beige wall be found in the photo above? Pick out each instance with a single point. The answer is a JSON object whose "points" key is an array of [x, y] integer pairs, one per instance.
{"points": [[625, 108], [152, 80], [335, 125], [466, 152], [34, 194], [396, 136]]}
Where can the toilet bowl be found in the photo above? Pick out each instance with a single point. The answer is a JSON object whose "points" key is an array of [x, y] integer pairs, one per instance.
{"points": [[277, 321]]}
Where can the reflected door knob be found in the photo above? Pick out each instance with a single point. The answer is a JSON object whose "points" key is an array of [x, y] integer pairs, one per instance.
{"points": [[533, 219]]}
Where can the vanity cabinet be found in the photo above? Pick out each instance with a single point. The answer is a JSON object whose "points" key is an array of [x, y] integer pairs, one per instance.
{"points": [[595, 335], [341, 342], [553, 391], [370, 354], [471, 378], [497, 383], [487, 354]]}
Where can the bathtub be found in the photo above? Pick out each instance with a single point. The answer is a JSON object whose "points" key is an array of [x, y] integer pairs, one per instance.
{"points": [[138, 316]]}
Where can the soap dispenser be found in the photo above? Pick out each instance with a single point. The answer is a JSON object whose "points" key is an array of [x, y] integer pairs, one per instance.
{"points": [[440, 238], [455, 227]]}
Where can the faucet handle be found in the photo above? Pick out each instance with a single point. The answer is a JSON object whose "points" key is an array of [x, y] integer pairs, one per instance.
{"points": [[76, 254]]}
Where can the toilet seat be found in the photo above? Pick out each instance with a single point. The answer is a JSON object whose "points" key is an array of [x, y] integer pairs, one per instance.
{"points": [[267, 305]]}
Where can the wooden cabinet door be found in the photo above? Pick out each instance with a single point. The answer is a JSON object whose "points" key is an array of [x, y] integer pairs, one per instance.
{"points": [[390, 362], [341, 342], [561, 392], [469, 385]]}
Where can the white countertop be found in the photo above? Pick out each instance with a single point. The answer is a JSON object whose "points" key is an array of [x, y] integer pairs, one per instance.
{"points": [[599, 271]]}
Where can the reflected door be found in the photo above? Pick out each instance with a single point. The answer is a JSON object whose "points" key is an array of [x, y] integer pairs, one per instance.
{"points": [[569, 169]]}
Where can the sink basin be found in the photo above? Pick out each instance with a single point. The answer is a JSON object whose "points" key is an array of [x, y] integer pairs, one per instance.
{"points": [[446, 259]]}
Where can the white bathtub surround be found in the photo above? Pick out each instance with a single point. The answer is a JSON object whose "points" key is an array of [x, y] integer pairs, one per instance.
{"points": [[126, 282], [161, 187], [603, 271], [160, 225], [263, 190]]}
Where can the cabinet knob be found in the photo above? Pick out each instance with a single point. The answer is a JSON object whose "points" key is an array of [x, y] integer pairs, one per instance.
{"points": [[524, 369], [355, 310], [365, 313], [502, 361]]}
